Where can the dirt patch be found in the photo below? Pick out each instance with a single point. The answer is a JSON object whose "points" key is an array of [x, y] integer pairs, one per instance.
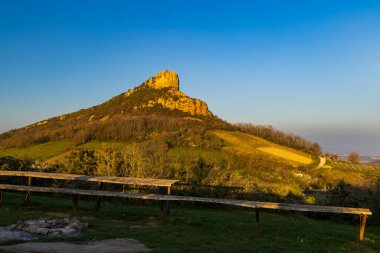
{"points": [[58, 214], [105, 246]]}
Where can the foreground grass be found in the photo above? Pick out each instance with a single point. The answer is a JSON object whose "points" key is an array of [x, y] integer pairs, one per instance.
{"points": [[196, 229]]}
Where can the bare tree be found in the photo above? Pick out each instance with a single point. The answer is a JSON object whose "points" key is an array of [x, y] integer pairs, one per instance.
{"points": [[354, 157]]}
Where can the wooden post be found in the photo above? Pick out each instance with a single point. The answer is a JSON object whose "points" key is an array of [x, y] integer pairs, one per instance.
{"points": [[164, 208], [161, 208], [257, 213], [167, 204], [75, 198], [100, 186], [363, 220], [27, 196], [1, 196], [167, 208]]}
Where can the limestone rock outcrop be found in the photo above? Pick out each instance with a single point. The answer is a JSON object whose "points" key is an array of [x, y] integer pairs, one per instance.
{"points": [[164, 79], [173, 98]]}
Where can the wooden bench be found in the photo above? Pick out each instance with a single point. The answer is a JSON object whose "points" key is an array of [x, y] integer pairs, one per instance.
{"points": [[167, 183], [165, 199]]}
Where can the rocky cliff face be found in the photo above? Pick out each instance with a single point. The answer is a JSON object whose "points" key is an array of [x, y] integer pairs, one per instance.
{"points": [[164, 79], [173, 97]]}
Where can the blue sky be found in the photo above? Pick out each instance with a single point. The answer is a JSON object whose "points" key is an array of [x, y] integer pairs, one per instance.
{"points": [[307, 67]]}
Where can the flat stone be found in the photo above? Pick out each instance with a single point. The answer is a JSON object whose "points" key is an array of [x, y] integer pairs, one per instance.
{"points": [[31, 229], [54, 233], [6, 235], [68, 231], [42, 227], [42, 231]]}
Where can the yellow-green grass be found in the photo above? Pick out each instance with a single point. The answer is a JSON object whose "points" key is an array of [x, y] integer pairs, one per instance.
{"points": [[39, 151], [286, 154], [105, 144], [354, 168], [250, 144], [207, 154], [56, 151], [94, 145]]}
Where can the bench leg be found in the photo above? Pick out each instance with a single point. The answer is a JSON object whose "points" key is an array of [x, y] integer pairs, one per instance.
{"points": [[75, 198], [1, 196], [257, 214], [27, 196], [97, 208], [98, 198], [164, 208], [363, 220], [168, 203]]}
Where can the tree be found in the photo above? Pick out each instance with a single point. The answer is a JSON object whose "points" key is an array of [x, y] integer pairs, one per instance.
{"points": [[82, 162], [110, 162], [354, 157]]}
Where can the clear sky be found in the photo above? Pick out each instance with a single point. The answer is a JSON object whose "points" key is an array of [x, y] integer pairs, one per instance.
{"points": [[307, 67]]}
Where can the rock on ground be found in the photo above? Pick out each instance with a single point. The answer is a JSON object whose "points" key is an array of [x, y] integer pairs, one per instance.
{"points": [[6, 235], [105, 246]]}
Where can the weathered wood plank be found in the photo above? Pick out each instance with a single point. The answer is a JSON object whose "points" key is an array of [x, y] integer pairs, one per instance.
{"points": [[233, 202], [113, 180]]}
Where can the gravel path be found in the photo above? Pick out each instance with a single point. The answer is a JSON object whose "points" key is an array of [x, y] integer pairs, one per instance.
{"points": [[322, 161], [105, 246]]}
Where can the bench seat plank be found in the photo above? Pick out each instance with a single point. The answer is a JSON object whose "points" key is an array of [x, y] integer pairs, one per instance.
{"points": [[233, 202], [100, 179]]}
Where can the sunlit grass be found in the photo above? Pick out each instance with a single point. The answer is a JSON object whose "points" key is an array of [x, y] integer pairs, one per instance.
{"points": [[207, 154], [286, 154], [39, 151], [249, 144]]}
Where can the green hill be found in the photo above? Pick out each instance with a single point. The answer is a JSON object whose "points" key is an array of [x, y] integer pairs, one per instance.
{"points": [[155, 130]]}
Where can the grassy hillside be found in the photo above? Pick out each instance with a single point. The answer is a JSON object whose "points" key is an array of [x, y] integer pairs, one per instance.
{"points": [[233, 164], [250, 144], [234, 141], [265, 162], [197, 228], [40, 151]]}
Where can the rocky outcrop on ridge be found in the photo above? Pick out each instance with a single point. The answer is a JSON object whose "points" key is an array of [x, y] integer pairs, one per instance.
{"points": [[173, 97]]}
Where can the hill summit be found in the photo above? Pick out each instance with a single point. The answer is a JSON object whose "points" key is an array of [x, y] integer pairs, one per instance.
{"points": [[172, 98], [164, 79]]}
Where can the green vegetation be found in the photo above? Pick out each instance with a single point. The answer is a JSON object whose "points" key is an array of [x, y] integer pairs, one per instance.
{"points": [[211, 163], [355, 168], [123, 118], [197, 228], [38, 152]]}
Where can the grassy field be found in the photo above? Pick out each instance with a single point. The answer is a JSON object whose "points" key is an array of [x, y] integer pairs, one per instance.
{"points": [[286, 154], [196, 228], [249, 144], [355, 168], [207, 154], [40, 151], [51, 152]]}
